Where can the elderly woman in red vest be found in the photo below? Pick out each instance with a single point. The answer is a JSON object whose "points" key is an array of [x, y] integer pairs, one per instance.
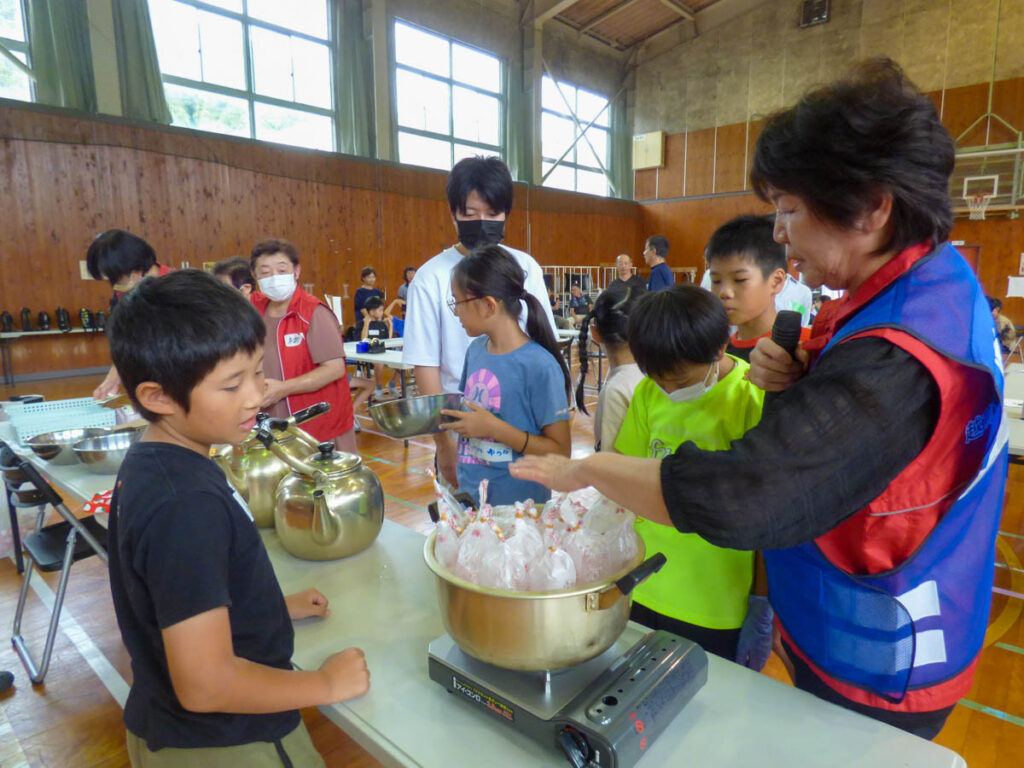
{"points": [[304, 360], [874, 481]]}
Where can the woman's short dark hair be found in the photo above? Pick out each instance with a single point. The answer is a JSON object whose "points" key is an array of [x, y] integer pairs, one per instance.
{"points": [[842, 147], [366, 272], [406, 271], [115, 254], [681, 324], [173, 330], [271, 246], [237, 270], [489, 176]]}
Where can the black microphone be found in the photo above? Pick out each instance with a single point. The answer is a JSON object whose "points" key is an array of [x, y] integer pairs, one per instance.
{"points": [[786, 330]]}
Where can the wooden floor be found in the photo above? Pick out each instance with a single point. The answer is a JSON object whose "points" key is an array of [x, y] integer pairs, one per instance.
{"points": [[74, 719]]}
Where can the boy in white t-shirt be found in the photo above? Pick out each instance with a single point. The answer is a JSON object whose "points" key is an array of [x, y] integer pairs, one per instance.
{"points": [[480, 198]]}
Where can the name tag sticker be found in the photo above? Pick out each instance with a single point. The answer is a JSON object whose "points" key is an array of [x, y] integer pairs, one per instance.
{"points": [[293, 339], [490, 452]]}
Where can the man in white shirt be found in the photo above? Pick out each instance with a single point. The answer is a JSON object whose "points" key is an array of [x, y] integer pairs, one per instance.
{"points": [[480, 198]]}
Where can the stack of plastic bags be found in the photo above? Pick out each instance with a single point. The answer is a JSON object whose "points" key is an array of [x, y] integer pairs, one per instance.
{"points": [[575, 539]]}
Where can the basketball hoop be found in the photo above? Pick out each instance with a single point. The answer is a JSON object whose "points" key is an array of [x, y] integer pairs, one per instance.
{"points": [[976, 205]]}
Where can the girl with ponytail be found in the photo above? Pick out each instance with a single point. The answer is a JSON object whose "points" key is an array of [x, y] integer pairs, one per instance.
{"points": [[608, 325], [516, 384]]}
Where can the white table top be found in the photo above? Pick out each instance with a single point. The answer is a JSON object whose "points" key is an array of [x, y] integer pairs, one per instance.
{"points": [[383, 600], [75, 478], [52, 332], [391, 356]]}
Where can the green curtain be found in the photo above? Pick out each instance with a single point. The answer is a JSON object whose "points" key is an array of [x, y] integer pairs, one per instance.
{"points": [[353, 80], [518, 125], [622, 148], [142, 90], [58, 32]]}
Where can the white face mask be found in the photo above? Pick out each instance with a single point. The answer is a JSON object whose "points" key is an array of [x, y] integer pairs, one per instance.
{"points": [[278, 287], [694, 391]]}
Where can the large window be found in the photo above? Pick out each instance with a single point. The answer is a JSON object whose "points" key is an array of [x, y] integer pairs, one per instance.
{"points": [[448, 99], [579, 169], [14, 83], [254, 68]]}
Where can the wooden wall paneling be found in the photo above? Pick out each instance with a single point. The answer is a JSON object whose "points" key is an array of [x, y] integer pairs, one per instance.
{"points": [[1008, 103], [645, 184], [700, 162], [582, 239], [671, 176], [753, 132], [730, 158], [962, 107], [1002, 242]]}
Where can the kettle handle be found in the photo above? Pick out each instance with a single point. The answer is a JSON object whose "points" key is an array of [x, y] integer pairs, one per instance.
{"points": [[265, 436]]}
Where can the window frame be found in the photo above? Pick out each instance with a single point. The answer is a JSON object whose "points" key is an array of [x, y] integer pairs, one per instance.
{"points": [[565, 115], [500, 95], [249, 94], [22, 47]]}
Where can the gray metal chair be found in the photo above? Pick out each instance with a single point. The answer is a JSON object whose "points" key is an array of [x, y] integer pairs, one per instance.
{"points": [[19, 494], [53, 548]]}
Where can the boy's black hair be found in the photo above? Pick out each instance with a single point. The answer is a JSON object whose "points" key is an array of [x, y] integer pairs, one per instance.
{"points": [[994, 303], [492, 271], [115, 254], [173, 330], [843, 146], [271, 246], [660, 245], [237, 270], [681, 324], [489, 176], [750, 237], [406, 271], [610, 316], [366, 271], [373, 303]]}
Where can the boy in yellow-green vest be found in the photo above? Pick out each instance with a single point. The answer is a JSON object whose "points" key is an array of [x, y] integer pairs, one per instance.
{"points": [[693, 391]]}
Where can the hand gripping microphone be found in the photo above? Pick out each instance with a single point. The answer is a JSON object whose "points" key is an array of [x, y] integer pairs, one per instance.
{"points": [[786, 330]]}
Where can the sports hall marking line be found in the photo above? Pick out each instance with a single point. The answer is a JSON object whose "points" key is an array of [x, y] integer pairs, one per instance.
{"points": [[1009, 568], [366, 431], [1008, 593], [412, 504], [93, 656], [1012, 610], [1011, 535], [397, 464], [1011, 648], [998, 713], [11, 755]]}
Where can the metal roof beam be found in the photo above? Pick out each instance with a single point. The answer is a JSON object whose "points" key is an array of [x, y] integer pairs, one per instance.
{"points": [[683, 11], [547, 9], [602, 17]]}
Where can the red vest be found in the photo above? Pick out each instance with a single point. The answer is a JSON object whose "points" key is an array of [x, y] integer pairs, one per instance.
{"points": [[874, 540], [296, 360]]}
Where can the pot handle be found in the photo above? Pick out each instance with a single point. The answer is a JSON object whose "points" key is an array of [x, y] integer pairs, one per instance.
{"points": [[647, 568], [308, 413], [463, 498]]}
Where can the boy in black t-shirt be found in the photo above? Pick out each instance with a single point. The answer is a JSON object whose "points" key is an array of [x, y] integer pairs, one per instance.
{"points": [[379, 325], [199, 608], [748, 269]]}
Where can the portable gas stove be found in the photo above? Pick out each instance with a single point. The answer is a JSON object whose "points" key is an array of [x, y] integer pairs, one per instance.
{"points": [[604, 712]]}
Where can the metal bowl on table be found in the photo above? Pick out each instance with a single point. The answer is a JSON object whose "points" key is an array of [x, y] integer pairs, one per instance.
{"points": [[55, 447], [103, 455], [414, 415], [533, 631]]}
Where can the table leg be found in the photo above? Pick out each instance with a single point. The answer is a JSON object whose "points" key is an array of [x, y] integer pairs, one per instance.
{"points": [[402, 378], [7, 362]]}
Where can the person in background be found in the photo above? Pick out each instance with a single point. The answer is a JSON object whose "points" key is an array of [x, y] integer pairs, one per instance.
{"points": [[608, 325], [624, 275], [379, 325], [516, 383], [237, 273], [878, 469], [122, 259], [1005, 329], [480, 196], [748, 269], [579, 304], [403, 290], [305, 360], [819, 302], [795, 296], [693, 392], [363, 294], [655, 253], [557, 311], [199, 608]]}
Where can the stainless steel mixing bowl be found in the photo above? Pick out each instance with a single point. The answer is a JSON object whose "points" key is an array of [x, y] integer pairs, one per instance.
{"points": [[414, 415], [103, 455], [55, 447]]}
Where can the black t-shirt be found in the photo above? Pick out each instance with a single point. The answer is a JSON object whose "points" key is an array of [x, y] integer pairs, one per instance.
{"points": [[635, 282], [377, 329], [181, 545]]}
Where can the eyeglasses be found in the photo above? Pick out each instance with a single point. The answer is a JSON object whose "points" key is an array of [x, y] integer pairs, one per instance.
{"points": [[452, 303]]}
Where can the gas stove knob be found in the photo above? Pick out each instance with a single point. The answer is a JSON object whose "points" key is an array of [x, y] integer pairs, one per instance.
{"points": [[576, 747]]}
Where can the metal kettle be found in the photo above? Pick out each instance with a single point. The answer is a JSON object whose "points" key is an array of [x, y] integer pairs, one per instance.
{"points": [[330, 506], [255, 472]]}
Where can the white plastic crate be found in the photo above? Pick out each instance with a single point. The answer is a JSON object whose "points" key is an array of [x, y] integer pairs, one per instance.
{"points": [[14, 410]]}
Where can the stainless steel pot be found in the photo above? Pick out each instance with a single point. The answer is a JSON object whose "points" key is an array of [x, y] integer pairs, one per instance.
{"points": [[255, 472], [535, 631], [329, 506]]}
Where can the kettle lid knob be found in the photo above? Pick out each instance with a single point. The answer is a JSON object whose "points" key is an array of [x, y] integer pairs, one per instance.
{"points": [[326, 449]]}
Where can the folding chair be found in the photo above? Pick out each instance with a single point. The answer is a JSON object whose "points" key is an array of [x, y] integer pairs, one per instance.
{"points": [[18, 498], [53, 548]]}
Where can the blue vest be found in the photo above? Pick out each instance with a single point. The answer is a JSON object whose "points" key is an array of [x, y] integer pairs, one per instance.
{"points": [[923, 622]]}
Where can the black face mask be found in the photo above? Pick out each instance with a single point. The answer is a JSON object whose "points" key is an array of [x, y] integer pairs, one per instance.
{"points": [[474, 232]]}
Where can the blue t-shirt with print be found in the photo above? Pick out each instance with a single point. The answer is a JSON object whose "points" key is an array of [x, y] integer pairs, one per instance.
{"points": [[524, 388]]}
